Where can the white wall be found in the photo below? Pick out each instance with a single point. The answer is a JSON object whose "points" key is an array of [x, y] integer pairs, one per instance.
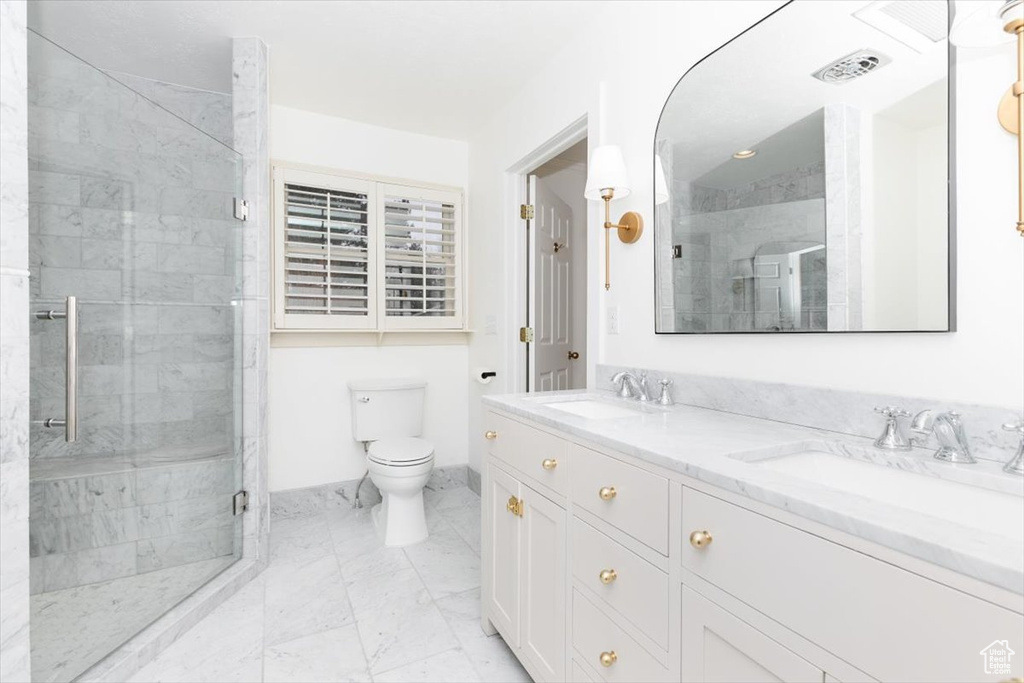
{"points": [[981, 362], [309, 412]]}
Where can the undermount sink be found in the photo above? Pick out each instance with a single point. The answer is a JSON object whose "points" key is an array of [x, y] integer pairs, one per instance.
{"points": [[996, 511], [593, 410]]}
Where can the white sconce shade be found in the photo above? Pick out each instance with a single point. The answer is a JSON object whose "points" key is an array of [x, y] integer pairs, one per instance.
{"points": [[607, 170], [982, 26], [660, 185]]}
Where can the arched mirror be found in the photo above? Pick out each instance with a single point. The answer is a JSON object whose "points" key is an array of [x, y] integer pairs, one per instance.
{"points": [[807, 162]]}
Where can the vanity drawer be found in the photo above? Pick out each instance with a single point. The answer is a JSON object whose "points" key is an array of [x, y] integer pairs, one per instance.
{"points": [[894, 626], [539, 455], [594, 634], [637, 589], [638, 500]]}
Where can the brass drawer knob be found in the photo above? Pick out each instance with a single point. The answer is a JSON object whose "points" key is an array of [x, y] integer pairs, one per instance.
{"points": [[609, 658], [549, 463], [608, 575], [607, 492], [490, 436], [700, 539]]}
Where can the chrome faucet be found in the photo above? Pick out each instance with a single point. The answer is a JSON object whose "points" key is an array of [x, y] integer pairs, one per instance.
{"points": [[629, 386], [1016, 464], [892, 439], [948, 430]]}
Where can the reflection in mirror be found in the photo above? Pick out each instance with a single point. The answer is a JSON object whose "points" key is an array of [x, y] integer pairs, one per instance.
{"points": [[807, 173]]}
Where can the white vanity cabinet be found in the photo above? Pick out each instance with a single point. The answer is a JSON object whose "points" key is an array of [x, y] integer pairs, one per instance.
{"points": [[524, 548], [718, 646], [619, 570]]}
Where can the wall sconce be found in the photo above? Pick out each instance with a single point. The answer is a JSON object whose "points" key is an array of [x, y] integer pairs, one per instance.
{"points": [[660, 186], [981, 28], [607, 180]]}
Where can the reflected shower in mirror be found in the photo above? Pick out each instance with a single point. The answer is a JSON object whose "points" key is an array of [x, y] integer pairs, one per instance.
{"points": [[808, 176]]}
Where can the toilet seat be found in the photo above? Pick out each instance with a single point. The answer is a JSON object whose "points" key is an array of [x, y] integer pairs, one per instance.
{"points": [[401, 452]]}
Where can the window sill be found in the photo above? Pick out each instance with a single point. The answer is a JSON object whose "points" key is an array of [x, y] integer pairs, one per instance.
{"points": [[321, 338]]}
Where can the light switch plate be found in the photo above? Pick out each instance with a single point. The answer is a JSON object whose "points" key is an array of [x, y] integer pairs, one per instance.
{"points": [[613, 320], [491, 325]]}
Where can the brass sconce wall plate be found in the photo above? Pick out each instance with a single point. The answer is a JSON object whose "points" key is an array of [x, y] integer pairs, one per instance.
{"points": [[630, 226]]}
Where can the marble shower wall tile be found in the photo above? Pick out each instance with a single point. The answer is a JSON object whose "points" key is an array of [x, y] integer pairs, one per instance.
{"points": [[848, 412], [15, 661], [206, 110]]}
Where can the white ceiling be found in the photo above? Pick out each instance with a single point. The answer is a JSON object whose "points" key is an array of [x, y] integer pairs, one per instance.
{"points": [[761, 83], [433, 67]]}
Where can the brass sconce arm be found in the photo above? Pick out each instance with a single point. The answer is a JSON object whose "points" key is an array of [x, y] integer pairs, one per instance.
{"points": [[1011, 115], [630, 227]]}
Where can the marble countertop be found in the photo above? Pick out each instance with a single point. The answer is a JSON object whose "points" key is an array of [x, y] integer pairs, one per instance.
{"points": [[722, 449]]}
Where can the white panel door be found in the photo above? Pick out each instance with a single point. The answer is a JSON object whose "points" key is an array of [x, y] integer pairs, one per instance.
{"points": [[543, 625], [505, 546], [551, 294], [719, 648]]}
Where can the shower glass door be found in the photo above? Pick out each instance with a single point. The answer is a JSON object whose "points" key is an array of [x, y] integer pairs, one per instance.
{"points": [[135, 360]]}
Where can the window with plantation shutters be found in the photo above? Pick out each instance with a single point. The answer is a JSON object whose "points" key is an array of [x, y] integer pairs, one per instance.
{"points": [[420, 257], [358, 254]]}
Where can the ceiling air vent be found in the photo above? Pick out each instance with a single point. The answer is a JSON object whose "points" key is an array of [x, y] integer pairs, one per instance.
{"points": [[853, 65], [918, 24]]}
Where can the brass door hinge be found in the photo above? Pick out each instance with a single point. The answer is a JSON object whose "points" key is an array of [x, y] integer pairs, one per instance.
{"points": [[515, 506], [526, 212], [526, 335]]}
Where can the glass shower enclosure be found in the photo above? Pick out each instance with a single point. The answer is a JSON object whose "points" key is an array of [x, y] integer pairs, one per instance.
{"points": [[135, 360]]}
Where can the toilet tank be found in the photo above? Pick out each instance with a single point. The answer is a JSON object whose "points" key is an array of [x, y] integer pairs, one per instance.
{"points": [[383, 408]]}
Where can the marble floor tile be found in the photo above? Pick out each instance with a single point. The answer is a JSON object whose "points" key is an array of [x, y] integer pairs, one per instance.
{"points": [[225, 646], [398, 621], [335, 655], [303, 598], [446, 563], [465, 520], [72, 628], [448, 667], [490, 656], [335, 605], [450, 498], [299, 539]]}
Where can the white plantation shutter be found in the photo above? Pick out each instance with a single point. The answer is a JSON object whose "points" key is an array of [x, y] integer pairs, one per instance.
{"points": [[421, 257], [325, 251], [364, 255]]}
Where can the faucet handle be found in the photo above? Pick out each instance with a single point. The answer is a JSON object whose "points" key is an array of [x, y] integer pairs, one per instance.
{"points": [[893, 411], [666, 394], [1017, 426], [892, 438]]}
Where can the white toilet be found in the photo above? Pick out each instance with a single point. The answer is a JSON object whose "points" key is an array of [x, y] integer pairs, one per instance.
{"points": [[388, 413]]}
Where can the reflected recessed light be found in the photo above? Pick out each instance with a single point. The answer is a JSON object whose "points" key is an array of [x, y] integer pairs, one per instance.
{"points": [[744, 154]]}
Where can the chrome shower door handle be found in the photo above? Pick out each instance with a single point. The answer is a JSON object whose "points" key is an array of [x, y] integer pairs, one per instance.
{"points": [[70, 421], [71, 371]]}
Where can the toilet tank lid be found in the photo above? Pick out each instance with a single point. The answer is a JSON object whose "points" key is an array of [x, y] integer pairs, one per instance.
{"points": [[386, 384]]}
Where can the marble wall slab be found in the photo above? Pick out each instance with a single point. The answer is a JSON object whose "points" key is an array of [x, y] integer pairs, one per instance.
{"points": [[251, 135], [15, 661], [847, 412], [88, 528], [131, 210], [315, 499], [207, 110]]}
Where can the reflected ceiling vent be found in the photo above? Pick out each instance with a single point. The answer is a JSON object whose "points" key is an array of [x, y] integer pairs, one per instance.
{"points": [[918, 24], [853, 65]]}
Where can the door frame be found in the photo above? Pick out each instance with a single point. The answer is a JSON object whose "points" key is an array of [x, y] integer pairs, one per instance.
{"points": [[516, 247]]}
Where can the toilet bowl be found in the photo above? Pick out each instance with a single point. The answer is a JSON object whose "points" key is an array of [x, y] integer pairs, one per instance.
{"points": [[400, 468], [387, 416]]}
